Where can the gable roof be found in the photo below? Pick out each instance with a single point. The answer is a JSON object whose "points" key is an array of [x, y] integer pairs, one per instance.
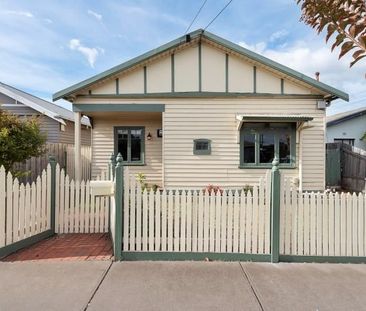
{"points": [[51, 110], [344, 116], [200, 33]]}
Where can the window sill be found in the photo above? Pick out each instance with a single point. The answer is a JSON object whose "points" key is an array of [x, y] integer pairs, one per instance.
{"points": [[265, 167], [134, 164]]}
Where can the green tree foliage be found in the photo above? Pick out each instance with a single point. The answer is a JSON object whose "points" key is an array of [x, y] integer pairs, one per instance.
{"points": [[19, 140], [344, 18]]}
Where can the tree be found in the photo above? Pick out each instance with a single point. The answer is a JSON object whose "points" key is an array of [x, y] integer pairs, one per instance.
{"points": [[346, 18], [19, 140]]}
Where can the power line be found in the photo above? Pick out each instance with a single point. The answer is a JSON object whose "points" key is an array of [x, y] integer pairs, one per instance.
{"points": [[198, 13], [222, 10]]}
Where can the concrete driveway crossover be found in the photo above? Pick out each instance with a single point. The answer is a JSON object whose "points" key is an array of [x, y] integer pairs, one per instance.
{"points": [[175, 286], [51, 286], [289, 286]]}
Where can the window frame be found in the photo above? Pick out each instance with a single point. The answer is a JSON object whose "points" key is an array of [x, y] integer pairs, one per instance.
{"points": [[142, 153], [257, 132], [200, 151]]}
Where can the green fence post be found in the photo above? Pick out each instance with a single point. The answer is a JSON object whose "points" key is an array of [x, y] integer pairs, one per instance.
{"points": [[52, 162], [275, 211], [119, 208]]}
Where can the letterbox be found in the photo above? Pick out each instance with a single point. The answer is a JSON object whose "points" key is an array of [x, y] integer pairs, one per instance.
{"points": [[102, 187]]}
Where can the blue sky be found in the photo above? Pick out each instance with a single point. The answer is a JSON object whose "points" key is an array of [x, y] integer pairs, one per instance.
{"points": [[46, 46]]}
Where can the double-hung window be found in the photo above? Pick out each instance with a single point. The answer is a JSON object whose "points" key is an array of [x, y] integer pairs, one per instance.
{"points": [[261, 142], [130, 143]]}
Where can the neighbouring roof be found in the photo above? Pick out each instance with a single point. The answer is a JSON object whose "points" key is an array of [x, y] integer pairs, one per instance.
{"points": [[344, 116], [51, 110], [335, 93]]}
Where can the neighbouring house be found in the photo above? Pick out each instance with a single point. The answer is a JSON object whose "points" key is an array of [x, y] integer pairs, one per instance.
{"points": [[55, 121], [348, 127], [202, 110]]}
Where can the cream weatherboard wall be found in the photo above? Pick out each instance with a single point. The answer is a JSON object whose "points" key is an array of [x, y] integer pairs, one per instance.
{"points": [[187, 119], [214, 119], [103, 142]]}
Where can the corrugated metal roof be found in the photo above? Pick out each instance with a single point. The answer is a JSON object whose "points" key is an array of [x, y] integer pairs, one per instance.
{"points": [[347, 115], [273, 117]]}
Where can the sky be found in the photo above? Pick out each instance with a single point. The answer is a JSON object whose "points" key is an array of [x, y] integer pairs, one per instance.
{"points": [[47, 45]]}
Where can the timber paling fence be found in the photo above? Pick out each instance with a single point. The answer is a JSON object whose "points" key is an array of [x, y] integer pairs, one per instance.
{"points": [[64, 155]]}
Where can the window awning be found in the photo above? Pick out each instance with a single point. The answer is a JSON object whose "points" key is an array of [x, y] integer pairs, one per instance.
{"points": [[299, 119], [273, 118]]}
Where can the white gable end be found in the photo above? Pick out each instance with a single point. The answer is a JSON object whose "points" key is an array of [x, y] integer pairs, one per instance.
{"points": [[199, 68]]}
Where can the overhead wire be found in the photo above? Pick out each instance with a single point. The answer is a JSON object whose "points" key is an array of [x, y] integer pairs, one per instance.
{"points": [[194, 19], [222, 10]]}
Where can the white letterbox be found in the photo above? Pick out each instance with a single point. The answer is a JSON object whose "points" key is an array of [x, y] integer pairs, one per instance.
{"points": [[102, 187]]}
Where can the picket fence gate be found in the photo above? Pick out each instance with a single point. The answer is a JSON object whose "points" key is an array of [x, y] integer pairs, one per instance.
{"points": [[77, 210]]}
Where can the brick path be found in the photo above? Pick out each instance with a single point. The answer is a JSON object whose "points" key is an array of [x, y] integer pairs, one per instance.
{"points": [[73, 246]]}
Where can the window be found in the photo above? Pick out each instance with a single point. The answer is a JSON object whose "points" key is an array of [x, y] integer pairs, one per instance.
{"points": [[201, 146], [348, 141], [130, 143], [261, 142]]}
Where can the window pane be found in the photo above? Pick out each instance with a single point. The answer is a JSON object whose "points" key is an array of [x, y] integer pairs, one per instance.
{"points": [[122, 141], [266, 148], [136, 137], [284, 148], [202, 145], [249, 148]]}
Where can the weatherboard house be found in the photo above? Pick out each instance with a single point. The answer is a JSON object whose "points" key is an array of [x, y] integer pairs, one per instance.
{"points": [[202, 110]]}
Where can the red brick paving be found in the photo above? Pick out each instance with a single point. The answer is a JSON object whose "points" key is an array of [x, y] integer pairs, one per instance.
{"points": [[72, 246]]}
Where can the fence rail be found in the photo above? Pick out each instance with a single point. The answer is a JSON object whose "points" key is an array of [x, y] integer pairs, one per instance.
{"points": [[197, 221]]}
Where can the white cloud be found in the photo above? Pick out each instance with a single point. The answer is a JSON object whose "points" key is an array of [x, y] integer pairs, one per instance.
{"points": [[278, 35], [98, 16], [48, 20], [90, 54], [19, 13], [259, 47]]}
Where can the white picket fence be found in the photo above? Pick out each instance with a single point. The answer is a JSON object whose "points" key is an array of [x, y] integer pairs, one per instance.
{"points": [[322, 224], [24, 209], [197, 221], [77, 210]]}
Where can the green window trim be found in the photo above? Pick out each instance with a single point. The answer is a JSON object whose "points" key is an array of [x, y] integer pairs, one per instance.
{"points": [[199, 151], [128, 162], [277, 132]]}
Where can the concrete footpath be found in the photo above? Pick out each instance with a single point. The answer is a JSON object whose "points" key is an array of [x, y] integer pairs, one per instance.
{"points": [[100, 285]]}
